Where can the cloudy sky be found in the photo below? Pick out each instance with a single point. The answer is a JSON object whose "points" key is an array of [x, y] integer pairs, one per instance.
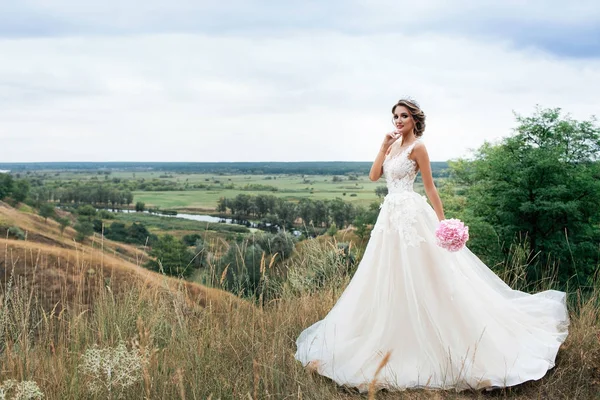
{"points": [[190, 80]]}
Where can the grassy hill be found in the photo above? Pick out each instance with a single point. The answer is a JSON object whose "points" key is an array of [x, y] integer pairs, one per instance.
{"points": [[69, 313], [59, 270]]}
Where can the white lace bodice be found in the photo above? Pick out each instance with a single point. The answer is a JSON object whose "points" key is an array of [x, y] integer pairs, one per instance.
{"points": [[399, 208], [400, 171]]}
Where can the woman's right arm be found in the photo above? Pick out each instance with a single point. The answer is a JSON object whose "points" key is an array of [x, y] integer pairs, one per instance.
{"points": [[377, 167]]}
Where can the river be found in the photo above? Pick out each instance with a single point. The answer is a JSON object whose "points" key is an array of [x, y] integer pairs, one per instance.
{"points": [[204, 218]]}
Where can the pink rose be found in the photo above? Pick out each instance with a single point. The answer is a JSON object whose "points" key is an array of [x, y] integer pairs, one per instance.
{"points": [[452, 234]]}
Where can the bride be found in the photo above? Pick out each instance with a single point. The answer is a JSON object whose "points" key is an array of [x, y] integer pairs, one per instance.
{"points": [[428, 317]]}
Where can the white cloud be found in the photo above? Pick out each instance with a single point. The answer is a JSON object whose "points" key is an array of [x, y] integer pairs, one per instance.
{"points": [[159, 16], [316, 95]]}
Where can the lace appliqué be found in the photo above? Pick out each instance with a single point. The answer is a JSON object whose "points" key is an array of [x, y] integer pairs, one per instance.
{"points": [[400, 171], [398, 212]]}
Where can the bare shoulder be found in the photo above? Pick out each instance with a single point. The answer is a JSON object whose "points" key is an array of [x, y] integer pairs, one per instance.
{"points": [[419, 151], [420, 147], [419, 154]]}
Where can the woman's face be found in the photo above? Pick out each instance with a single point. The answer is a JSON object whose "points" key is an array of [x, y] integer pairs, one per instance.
{"points": [[403, 119]]}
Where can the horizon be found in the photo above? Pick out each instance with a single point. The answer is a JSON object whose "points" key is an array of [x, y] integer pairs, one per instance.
{"points": [[4, 164]]}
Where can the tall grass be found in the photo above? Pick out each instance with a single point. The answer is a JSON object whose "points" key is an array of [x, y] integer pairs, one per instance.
{"points": [[174, 349]]}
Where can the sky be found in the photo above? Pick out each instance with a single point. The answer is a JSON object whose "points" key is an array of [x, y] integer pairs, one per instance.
{"points": [[206, 81]]}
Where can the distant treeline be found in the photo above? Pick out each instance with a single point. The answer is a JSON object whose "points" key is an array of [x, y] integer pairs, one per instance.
{"points": [[309, 167], [284, 213]]}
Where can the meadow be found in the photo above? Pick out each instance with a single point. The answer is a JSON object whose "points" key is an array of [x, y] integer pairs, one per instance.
{"points": [[358, 190], [81, 324]]}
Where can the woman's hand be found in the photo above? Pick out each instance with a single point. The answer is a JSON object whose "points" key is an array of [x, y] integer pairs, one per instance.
{"points": [[389, 139], [377, 167]]}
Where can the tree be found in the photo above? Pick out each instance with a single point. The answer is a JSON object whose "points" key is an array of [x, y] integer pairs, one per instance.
{"points": [[306, 209], [98, 225], [286, 212], [115, 197], [242, 203], [47, 211], [381, 191], [172, 257], [542, 184], [6, 185], [64, 223], [321, 213], [222, 205], [365, 218], [261, 204], [20, 190], [84, 229], [139, 234], [265, 203], [341, 212], [87, 212], [140, 206], [128, 197], [232, 206]]}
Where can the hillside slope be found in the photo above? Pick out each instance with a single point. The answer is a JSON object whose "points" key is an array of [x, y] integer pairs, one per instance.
{"points": [[62, 270]]}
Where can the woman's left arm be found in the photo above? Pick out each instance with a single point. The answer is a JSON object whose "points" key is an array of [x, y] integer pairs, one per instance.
{"points": [[422, 158]]}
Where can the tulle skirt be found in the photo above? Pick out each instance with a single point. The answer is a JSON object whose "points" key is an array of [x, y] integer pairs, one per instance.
{"points": [[445, 319]]}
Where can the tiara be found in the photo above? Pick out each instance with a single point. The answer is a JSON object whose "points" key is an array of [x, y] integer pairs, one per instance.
{"points": [[409, 99]]}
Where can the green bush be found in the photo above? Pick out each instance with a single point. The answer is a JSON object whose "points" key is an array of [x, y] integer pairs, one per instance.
{"points": [[6, 185], [117, 232], [105, 214], [191, 239], [64, 222], [87, 211], [136, 233], [98, 225], [16, 232], [84, 229], [200, 255], [241, 268], [332, 230], [47, 211], [280, 244], [171, 257], [140, 206]]}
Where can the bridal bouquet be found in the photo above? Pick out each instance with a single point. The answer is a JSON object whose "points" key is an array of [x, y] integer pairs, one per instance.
{"points": [[452, 234]]}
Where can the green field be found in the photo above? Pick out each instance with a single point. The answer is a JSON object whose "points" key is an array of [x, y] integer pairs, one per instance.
{"points": [[290, 187], [199, 192]]}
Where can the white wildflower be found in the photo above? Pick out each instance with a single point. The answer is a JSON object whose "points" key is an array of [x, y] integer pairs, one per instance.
{"points": [[24, 390], [112, 369]]}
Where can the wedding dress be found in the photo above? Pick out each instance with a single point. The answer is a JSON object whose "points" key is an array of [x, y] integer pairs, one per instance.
{"points": [[446, 320]]}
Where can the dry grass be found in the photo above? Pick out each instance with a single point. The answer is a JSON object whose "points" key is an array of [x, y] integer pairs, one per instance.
{"points": [[195, 352], [59, 277], [48, 232], [200, 343]]}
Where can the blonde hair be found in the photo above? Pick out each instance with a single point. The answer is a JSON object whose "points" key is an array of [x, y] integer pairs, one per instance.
{"points": [[415, 111]]}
